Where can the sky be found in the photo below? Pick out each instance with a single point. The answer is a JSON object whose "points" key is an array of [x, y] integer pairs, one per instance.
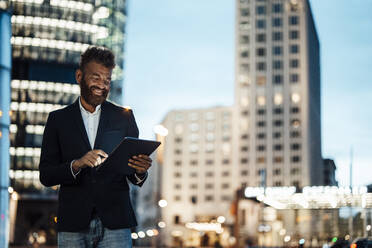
{"points": [[180, 55]]}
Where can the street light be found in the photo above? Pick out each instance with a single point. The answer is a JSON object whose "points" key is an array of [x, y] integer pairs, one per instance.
{"points": [[162, 203]]}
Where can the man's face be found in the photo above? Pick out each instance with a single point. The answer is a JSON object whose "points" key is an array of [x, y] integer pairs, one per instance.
{"points": [[94, 83]]}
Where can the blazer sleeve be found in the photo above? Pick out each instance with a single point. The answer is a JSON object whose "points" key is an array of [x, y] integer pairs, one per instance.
{"points": [[133, 132], [52, 170]]}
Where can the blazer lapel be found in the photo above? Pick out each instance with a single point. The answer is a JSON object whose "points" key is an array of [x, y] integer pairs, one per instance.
{"points": [[102, 124], [79, 122]]}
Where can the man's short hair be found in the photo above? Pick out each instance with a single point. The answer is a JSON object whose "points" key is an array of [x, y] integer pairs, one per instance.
{"points": [[98, 54]]}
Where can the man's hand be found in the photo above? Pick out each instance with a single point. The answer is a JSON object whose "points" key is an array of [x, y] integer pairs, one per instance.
{"points": [[92, 158], [141, 163]]}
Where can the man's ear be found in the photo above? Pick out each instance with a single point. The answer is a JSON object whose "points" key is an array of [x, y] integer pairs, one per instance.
{"points": [[78, 75]]}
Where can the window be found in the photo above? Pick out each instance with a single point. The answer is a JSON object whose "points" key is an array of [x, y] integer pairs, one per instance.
{"points": [[193, 174], [226, 173], [277, 135], [295, 134], [177, 219], [260, 10], [244, 160], [261, 52], [244, 148], [293, 20], [293, 48], [293, 78], [261, 100], [261, 135], [261, 66], [261, 111], [226, 198], [278, 183], [277, 36], [244, 26], [278, 147], [177, 163], [277, 22], [244, 136], [209, 186], [261, 24], [278, 123], [261, 123], [193, 186], [177, 198], [209, 174], [177, 174], [261, 160], [278, 159], [278, 98], [244, 173], [209, 162], [277, 50], [194, 162], [278, 111], [293, 63], [244, 54], [177, 186], [277, 79], [244, 39], [225, 161], [209, 198], [245, 113], [296, 159], [294, 34], [295, 146], [295, 110], [277, 172], [295, 97], [194, 127], [295, 171], [244, 68], [277, 8], [277, 64], [194, 199], [261, 80], [261, 148], [225, 186], [244, 12], [261, 37]]}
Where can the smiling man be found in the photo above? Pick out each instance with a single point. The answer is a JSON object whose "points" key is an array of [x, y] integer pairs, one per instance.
{"points": [[94, 205]]}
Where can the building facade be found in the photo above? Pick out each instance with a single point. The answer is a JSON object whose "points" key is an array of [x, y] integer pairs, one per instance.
{"points": [[5, 71], [47, 40], [277, 94], [198, 176]]}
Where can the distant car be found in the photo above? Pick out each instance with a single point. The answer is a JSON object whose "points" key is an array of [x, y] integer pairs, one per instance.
{"points": [[362, 243]]}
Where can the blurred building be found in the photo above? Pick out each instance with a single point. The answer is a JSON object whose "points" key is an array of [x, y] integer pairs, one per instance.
{"points": [[47, 40], [329, 172], [5, 71], [277, 93], [198, 176]]}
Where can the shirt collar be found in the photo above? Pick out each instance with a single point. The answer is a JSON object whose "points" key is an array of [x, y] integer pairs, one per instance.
{"points": [[98, 109]]}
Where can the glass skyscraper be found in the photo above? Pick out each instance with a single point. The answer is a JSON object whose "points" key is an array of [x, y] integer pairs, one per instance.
{"points": [[48, 37]]}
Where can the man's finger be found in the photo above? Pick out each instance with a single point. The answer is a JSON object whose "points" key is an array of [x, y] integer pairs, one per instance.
{"points": [[145, 157], [138, 168], [140, 163], [100, 153], [142, 160]]}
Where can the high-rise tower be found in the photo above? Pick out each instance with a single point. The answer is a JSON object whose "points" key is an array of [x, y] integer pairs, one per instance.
{"points": [[277, 93], [48, 37]]}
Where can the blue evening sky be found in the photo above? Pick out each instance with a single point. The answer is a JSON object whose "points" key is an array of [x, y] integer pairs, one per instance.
{"points": [[180, 55]]}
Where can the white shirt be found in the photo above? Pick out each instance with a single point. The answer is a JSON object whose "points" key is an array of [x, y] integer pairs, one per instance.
{"points": [[91, 121]]}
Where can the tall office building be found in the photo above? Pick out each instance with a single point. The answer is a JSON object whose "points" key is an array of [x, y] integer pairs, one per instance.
{"points": [[48, 37], [277, 93], [198, 176]]}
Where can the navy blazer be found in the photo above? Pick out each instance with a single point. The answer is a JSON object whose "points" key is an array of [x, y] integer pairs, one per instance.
{"points": [[106, 190]]}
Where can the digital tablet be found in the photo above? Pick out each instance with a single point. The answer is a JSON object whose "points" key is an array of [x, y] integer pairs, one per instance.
{"points": [[128, 148]]}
